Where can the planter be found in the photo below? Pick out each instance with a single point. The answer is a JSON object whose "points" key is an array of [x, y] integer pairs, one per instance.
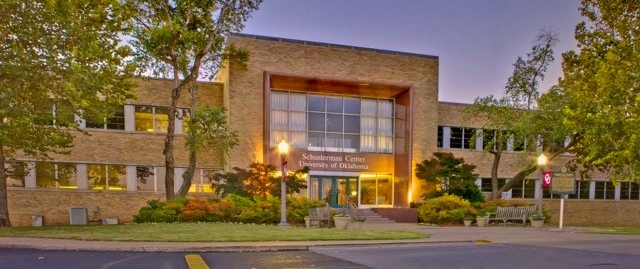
{"points": [[467, 223], [482, 222], [537, 223], [357, 225], [342, 222], [307, 222]]}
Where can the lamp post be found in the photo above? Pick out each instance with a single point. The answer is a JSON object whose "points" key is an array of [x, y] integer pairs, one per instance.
{"points": [[542, 162], [283, 149]]}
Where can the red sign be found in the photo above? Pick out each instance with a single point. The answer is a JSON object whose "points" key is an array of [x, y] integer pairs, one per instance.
{"points": [[546, 178]]}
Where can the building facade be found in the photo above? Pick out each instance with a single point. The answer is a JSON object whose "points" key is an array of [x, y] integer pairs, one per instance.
{"points": [[359, 118]]}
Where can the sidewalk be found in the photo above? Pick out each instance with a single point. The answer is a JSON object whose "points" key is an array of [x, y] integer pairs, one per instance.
{"points": [[438, 235]]}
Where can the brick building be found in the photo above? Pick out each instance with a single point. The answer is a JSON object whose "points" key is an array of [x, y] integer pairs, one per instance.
{"points": [[359, 118]]}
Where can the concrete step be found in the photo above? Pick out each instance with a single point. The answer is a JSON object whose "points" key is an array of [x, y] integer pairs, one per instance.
{"points": [[372, 217]]}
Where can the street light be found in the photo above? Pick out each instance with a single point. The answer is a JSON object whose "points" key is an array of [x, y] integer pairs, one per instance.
{"points": [[542, 162], [283, 149]]}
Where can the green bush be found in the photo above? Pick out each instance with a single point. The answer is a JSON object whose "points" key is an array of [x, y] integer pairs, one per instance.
{"points": [[298, 208], [157, 211], [447, 209]]}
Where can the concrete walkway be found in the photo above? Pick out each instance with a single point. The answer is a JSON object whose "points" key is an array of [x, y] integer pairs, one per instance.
{"points": [[571, 237]]}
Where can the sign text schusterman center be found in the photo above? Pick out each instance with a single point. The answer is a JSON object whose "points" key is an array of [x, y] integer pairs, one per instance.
{"points": [[333, 162]]}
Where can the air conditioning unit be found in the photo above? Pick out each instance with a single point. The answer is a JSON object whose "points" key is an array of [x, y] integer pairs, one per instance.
{"points": [[78, 216]]}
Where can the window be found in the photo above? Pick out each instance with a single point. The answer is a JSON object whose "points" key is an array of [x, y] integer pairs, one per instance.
{"points": [[332, 122], [16, 173], [376, 189], [604, 190], [56, 175], [582, 190], [107, 177], [115, 122], [629, 191], [440, 136], [152, 119], [460, 138]]}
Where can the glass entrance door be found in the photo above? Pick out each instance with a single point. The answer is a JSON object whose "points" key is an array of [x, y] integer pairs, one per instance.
{"points": [[335, 190]]}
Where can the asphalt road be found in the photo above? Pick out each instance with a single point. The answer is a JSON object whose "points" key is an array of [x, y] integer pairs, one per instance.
{"points": [[460, 255]]}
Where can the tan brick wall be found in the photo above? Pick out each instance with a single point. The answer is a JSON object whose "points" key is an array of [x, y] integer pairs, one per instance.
{"points": [[593, 212], [158, 92], [54, 205], [326, 61]]}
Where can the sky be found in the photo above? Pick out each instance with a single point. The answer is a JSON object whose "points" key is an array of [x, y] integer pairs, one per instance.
{"points": [[477, 41]]}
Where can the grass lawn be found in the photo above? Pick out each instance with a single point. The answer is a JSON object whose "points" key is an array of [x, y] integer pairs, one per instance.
{"points": [[616, 230], [202, 232]]}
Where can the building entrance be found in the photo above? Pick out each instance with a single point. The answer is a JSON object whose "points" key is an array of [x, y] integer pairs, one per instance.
{"points": [[335, 190]]}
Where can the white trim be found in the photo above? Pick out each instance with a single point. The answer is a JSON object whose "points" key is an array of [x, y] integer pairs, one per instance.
{"points": [[334, 173]]}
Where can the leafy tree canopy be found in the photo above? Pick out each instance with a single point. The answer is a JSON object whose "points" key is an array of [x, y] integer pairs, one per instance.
{"points": [[260, 179], [59, 60], [601, 86], [452, 176]]}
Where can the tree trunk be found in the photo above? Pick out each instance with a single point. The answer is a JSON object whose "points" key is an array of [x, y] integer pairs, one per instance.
{"points": [[188, 175], [168, 141], [495, 187], [4, 202]]}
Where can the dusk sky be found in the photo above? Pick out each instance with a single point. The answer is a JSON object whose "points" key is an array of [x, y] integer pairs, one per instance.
{"points": [[477, 41]]}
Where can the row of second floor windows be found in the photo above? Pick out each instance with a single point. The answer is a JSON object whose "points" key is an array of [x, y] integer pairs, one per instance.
{"points": [[102, 177], [585, 189], [140, 118], [478, 139]]}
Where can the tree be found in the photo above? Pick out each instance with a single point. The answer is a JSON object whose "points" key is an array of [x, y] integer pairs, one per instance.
{"points": [[509, 120], [184, 40], [452, 176], [602, 87], [207, 129], [59, 60], [259, 180]]}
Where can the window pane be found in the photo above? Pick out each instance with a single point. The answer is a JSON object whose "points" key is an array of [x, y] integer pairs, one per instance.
{"points": [[16, 173], [334, 123], [45, 175], [97, 176], [351, 105], [333, 142], [385, 190], [297, 101], [279, 119], [145, 176], [352, 124], [67, 178], [369, 107], [144, 118], [385, 108], [456, 138], [316, 122], [117, 178], [316, 139], [440, 136], [316, 103], [334, 104], [116, 122], [279, 100], [351, 142], [161, 118]]}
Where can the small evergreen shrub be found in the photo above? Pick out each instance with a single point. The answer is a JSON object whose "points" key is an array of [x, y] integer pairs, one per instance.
{"points": [[447, 209]]}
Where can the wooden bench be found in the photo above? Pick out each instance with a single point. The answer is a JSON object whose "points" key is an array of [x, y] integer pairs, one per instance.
{"points": [[319, 215], [514, 213]]}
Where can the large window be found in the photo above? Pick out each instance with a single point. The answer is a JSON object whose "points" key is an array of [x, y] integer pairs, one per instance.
{"points": [[376, 189], [56, 175], [605, 190], [115, 122], [107, 177], [16, 173], [629, 191], [152, 119], [582, 190], [332, 122]]}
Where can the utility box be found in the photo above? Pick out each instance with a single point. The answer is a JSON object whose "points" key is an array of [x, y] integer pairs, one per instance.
{"points": [[110, 221], [36, 221], [78, 216]]}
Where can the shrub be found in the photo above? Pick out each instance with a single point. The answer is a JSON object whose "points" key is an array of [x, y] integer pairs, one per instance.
{"points": [[447, 209], [156, 211], [298, 208]]}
